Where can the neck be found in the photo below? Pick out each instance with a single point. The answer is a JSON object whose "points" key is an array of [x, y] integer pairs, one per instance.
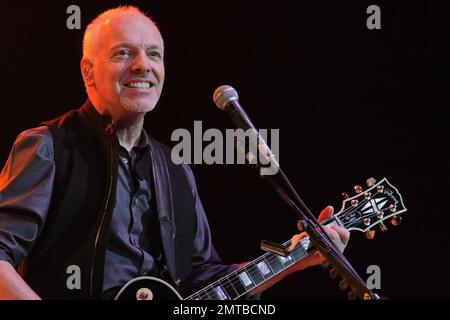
{"points": [[129, 126], [129, 134]]}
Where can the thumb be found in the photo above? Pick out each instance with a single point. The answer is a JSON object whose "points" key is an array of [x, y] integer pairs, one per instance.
{"points": [[326, 213]]}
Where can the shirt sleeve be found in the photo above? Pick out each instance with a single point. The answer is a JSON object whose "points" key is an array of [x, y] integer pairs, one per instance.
{"points": [[26, 184], [207, 266]]}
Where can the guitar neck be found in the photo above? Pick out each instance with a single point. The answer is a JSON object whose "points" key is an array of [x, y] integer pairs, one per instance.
{"points": [[253, 274]]}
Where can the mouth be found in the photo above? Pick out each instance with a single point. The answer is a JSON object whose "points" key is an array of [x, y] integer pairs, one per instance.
{"points": [[140, 84]]}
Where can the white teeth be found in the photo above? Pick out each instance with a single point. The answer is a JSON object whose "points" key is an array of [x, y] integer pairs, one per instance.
{"points": [[142, 85]]}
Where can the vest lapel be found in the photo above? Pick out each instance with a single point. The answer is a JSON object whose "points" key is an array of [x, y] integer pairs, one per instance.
{"points": [[164, 204]]}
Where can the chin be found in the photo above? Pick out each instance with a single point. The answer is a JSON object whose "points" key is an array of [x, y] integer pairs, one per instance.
{"points": [[133, 105]]}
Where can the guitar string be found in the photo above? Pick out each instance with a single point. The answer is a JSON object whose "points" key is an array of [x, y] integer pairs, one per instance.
{"points": [[234, 282], [233, 278], [251, 269]]}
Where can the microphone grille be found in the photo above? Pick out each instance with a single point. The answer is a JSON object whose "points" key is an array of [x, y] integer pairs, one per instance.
{"points": [[224, 95]]}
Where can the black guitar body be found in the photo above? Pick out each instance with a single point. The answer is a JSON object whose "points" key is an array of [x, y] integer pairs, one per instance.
{"points": [[147, 288]]}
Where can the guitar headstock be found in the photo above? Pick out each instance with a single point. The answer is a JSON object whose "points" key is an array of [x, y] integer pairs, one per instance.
{"points": [[379, 202]]}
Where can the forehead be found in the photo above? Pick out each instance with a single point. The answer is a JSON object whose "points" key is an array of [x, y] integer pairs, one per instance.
{"points": [[130, 28]]}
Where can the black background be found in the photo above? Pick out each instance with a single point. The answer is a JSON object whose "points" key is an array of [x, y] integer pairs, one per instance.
{"points": [[350, 103]]}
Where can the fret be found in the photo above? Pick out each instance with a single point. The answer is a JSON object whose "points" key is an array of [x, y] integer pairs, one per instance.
{"points": [[212, 295], [264, 268], [299, 251], [243, 282], [228, 288], [220, 292], [275, 263], [195, 296], [286, 261], [254, 273], [203, 295]]}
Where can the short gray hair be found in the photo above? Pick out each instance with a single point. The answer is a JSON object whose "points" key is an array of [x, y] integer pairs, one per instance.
{"points": [[91, 32]]}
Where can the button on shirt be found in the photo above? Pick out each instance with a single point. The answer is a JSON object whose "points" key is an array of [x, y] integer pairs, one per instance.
{"points": [[134, 233], [26, 184]]}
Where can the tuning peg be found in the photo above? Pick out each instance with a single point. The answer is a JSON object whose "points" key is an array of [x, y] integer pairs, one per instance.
{"points": [[333, 273], [393, 207], [345, 195], [370, 234], [371, 182], [383, 227], [396, 220], [358, 189], [343, 285], [325, 264]]}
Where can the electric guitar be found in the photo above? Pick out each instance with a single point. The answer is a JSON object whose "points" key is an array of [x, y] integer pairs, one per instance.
{"points": [[381, 201]]}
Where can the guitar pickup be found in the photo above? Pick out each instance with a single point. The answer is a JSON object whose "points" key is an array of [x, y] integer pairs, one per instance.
{"points": [[274, 247]]}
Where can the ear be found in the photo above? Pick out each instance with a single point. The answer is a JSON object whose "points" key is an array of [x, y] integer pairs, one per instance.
{"points": [[87, 71]]}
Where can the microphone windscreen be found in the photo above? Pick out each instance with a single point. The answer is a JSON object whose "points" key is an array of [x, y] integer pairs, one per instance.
{"points": [[223, 95]]}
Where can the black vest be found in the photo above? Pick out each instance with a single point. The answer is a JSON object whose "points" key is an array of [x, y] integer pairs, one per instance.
{"points": [[77, 225]]}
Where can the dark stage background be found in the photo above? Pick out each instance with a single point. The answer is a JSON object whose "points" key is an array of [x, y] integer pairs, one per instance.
{"points": [[350, 103]]}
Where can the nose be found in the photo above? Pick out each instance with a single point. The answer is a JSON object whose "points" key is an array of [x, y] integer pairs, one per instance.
{"points": [[141, 64]]}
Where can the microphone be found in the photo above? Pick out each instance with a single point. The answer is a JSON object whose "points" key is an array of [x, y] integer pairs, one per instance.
{"points": [[226, 98]]}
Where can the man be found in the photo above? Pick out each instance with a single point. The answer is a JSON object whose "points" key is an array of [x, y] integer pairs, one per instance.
{"points": [[92, 191]]}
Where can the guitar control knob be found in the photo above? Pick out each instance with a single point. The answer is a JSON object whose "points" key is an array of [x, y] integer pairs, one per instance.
{"points": [[144, 294], [383, 227], [396, 220], [370, 234], [358, 189], [371, 182]]}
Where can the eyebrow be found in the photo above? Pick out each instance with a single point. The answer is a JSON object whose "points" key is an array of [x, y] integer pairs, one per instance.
{"points": [[128, 44]]}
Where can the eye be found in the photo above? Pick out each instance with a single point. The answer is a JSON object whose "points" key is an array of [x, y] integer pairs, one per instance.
{"points": [[154, 54], [123, 53]]}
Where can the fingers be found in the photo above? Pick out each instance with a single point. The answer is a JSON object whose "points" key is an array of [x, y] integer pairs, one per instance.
{"points": [[339, 236], [343, 233], [332, 234], [295, 239], [326, 213]]}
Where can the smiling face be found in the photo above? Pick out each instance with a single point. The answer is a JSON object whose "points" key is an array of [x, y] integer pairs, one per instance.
{"points": [[125, 76]]}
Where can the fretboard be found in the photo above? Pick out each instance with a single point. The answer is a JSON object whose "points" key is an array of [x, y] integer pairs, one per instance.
{"points": [[252, 275]]}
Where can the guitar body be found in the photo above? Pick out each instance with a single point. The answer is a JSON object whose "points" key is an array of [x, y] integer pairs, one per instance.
{"points": [[147, 288]]}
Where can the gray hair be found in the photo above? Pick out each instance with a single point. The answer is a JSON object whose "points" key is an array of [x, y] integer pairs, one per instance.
{"points": [[90, 38]]}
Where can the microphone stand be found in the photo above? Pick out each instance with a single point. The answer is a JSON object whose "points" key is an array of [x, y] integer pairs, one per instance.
{"points": [[320, 239], [226, 98]]}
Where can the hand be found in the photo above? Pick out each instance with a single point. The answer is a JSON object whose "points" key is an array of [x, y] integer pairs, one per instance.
{"points": [[338, 235]]}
